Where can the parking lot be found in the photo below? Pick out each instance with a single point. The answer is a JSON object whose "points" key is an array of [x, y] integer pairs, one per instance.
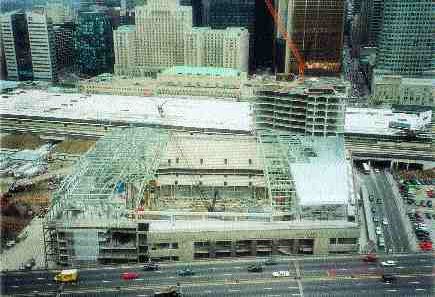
{"points": [[417, 189]]}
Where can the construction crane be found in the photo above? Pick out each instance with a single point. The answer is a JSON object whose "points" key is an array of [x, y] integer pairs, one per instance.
{"points": [[281, 29]]}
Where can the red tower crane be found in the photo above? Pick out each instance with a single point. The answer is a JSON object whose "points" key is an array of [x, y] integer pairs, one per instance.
{"points": [[281, 29]]}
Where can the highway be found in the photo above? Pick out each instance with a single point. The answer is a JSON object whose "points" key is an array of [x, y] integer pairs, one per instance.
{"points": [[395, 235], [314, 276]]}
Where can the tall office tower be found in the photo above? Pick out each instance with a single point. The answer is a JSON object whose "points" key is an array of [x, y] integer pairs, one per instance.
{"points": [[371, 13], [15, 37], [127, 12], [316, 28], [124, 42], [3, 73], [406, 45], [160, 29], [63, 35], [220, 14], [263, 38], [93, 43], [56, 10], [227, 48], [42, 45]]}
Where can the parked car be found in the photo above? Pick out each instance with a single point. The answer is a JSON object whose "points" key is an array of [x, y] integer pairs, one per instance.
{"points": [[378, 230], [385, 222], [129, 275]]}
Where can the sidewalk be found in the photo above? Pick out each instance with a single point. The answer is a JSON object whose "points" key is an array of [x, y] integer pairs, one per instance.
{"points": [[31, 247]]}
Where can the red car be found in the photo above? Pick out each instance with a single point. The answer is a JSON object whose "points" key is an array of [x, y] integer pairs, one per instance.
{"points": [[426, 246], [129, 275], [370, 258]]}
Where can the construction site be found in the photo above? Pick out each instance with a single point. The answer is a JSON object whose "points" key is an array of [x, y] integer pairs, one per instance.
{"points": [[150, 193]]}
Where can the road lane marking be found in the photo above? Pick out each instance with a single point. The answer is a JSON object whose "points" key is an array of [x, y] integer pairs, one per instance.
{"points": [[40, 278], [15, 286], [296, 294], [415, 282], [391, 290], [427, 266], [237, 267], [139, 279], [228, 274], [268, 288], [208, 291], [420, 289], [233, 290], [106, 281], [293, 288]]}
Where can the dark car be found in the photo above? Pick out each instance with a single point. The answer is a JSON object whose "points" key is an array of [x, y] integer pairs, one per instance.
{"points": [[389, 278], [185, 272], [151, 266], [255, 268]]}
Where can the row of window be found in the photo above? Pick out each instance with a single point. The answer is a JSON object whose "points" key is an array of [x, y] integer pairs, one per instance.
{"points": [[201, 161]]}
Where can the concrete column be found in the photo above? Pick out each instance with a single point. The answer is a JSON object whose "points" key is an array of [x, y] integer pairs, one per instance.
{"points": [[254, 248], [321, 246], [233, 249]]}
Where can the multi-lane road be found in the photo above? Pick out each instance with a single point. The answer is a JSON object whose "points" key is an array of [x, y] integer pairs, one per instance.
{"points": [[396, 238], [316, 276]]}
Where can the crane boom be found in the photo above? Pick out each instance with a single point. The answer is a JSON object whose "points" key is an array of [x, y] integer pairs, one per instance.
{"points": [[281, 29]]}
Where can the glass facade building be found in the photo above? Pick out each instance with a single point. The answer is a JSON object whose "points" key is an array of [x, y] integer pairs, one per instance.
{"points": [[406, 45], [93, 44]]}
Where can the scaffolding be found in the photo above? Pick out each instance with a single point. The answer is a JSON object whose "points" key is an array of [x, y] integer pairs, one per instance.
{"points": [[107, 183]]}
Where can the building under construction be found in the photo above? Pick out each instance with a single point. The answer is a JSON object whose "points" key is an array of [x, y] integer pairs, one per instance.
{"points": [[315, 108], [149, 193]]}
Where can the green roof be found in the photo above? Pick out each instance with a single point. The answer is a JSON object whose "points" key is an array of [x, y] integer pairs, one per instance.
{"points": [[126, 28], [211, 71]]}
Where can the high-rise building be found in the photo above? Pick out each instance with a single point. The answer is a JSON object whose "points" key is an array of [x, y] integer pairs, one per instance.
{"points": [[64, 44], [220, 14], [406, 45], [15, 37], [217, 48], [316, 28], [127, 12], [124, 41], [3, 73], [85, 5], [93, 42], [371, 13], [160, 29], [42, 45]]}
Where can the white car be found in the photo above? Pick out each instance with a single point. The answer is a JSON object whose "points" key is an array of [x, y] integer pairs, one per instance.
{"points": [[385, 222], [377, 171], [378, 230], [389, 263], [280, 274]]}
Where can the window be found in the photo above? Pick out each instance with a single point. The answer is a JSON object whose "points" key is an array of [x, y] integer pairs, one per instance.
{"points": [[347, 240], [176, 182], [177, 160], [175, 245], [225, 183], [332, 240], [226, 161], [250, 161], [201, 161], [169, 162]]}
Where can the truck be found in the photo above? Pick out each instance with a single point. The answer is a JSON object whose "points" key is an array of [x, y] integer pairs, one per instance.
{"points": [[67, 276], [167, 292]]}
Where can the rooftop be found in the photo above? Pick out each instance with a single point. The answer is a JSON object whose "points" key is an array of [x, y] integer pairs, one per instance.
{"points": [[210, 71], [126, 28], [204, 113], [323, 178]]}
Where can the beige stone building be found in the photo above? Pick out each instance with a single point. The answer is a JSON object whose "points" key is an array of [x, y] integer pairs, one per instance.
{"points": [[397, 89], [217, 48], [124, 41], [160, 29]]}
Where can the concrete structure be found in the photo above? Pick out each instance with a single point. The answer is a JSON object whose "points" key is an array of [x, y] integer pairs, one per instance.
{"points": [[15, 39], [42, 45], [396, 89], [315, 107], [227, 48], [370, 25], [124, 43], [316, 28], [160, 29], [410, 52], [200, 196], [59, 11]]}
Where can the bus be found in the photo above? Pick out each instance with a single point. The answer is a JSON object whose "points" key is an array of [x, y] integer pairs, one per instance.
{"points": [[366, 168]]}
